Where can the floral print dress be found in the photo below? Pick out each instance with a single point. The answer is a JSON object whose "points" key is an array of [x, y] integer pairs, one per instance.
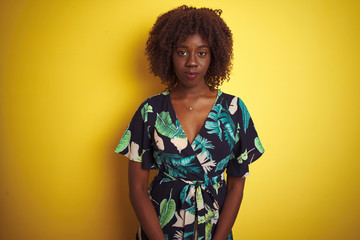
{"points": [[189, 188]]}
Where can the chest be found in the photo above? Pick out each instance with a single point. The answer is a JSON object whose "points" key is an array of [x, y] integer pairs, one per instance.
{"points": [[192, 120]]}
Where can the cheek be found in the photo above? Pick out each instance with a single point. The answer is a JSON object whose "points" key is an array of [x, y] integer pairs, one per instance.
{"points": [[207, 64], [176, 67], [176, 62]]}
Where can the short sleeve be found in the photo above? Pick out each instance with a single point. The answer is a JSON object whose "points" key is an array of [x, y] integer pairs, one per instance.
{"points": [[135, 144], [248, 147]]}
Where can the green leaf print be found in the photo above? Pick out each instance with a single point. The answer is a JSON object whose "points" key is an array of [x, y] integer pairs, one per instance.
{"points": [[229, 134], [221, 116], [183, 195], [179, 130], [199, 198], [167, 210], [245, 114], [145, 110], [191, 210], [243, 156], [210, 214], [188, 234], [175, 164], [258, 145], [175, 172], [182, 161], [169, 177], [191, 168], [216, 187], [222, 164], [165, 126], [214, 128], [208, 227], [124, 142], [237, 134], [204, 144], [225, 118], [214, 125]]}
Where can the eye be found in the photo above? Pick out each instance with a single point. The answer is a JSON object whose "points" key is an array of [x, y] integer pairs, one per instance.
{"points": [[182, 53], [202, 54]]}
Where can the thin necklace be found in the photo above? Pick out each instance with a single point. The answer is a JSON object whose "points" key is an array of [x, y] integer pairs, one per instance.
{"points": [[190, 108]]}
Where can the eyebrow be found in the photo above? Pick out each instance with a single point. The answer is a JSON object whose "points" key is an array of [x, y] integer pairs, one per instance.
{"points": [[201, 46]]}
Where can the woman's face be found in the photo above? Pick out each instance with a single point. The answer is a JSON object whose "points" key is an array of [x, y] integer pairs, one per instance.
{"points": [[191, 60]]}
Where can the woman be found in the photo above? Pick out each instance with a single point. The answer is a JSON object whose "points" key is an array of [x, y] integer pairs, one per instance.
{"points": [[191, 133]]}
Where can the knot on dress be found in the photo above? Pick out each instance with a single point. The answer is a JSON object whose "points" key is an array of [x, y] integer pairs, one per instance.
{"points": [[196, 217]]}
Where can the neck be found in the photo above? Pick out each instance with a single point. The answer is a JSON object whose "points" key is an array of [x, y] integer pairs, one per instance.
{"points": [[194, 92]]}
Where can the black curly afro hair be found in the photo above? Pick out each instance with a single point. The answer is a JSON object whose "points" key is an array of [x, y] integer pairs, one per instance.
{"points": [[173, 27]]}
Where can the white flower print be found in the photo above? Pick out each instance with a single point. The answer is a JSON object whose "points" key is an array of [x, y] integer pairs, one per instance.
{"points": [[233, 106], [158, 140]]}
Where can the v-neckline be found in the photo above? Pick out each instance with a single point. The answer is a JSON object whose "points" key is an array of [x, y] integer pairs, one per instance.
{"points": [[203, 125]]}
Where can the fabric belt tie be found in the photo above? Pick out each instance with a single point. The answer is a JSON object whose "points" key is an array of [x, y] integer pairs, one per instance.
{"points": [[194, 212]]}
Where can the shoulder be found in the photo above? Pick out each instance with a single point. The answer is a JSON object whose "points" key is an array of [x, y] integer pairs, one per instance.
{"points": [[234, 104], [155, 99], [158, 97], [149, 108], [230, 99]]}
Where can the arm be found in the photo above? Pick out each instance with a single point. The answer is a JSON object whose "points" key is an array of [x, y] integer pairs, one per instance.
{"points": [[144, 210], [229, 211]]}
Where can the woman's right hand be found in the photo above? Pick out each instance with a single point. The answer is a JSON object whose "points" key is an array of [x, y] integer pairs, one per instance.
{"points": [[140, 200]]}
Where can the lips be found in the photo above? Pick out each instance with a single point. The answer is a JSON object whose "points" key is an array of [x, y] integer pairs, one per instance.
{"points": [[191, 75]]}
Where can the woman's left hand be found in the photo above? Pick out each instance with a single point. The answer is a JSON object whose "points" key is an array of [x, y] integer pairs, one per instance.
{"points": [[231, 206]]}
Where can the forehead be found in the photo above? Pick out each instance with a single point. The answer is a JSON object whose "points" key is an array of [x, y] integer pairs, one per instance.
{"points": [[193, 40]]}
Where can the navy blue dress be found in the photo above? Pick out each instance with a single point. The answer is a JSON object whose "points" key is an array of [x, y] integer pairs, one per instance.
{"points": [[189, 188]]}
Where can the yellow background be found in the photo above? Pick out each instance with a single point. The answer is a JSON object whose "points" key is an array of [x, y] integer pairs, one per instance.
{"points": [[72, 73]]}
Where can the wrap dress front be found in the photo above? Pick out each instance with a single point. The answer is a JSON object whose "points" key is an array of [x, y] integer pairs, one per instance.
{"points": [[189, 188]]}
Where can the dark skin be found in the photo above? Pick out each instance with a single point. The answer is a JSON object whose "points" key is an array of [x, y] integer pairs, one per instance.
{"points": [[191, 60]]}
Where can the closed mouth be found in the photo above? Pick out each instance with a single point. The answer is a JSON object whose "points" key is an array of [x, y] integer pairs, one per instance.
{"points": [[191, 75]]}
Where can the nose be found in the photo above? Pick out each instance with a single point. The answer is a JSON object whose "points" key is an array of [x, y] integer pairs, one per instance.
{"points": [[192, 61]]}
